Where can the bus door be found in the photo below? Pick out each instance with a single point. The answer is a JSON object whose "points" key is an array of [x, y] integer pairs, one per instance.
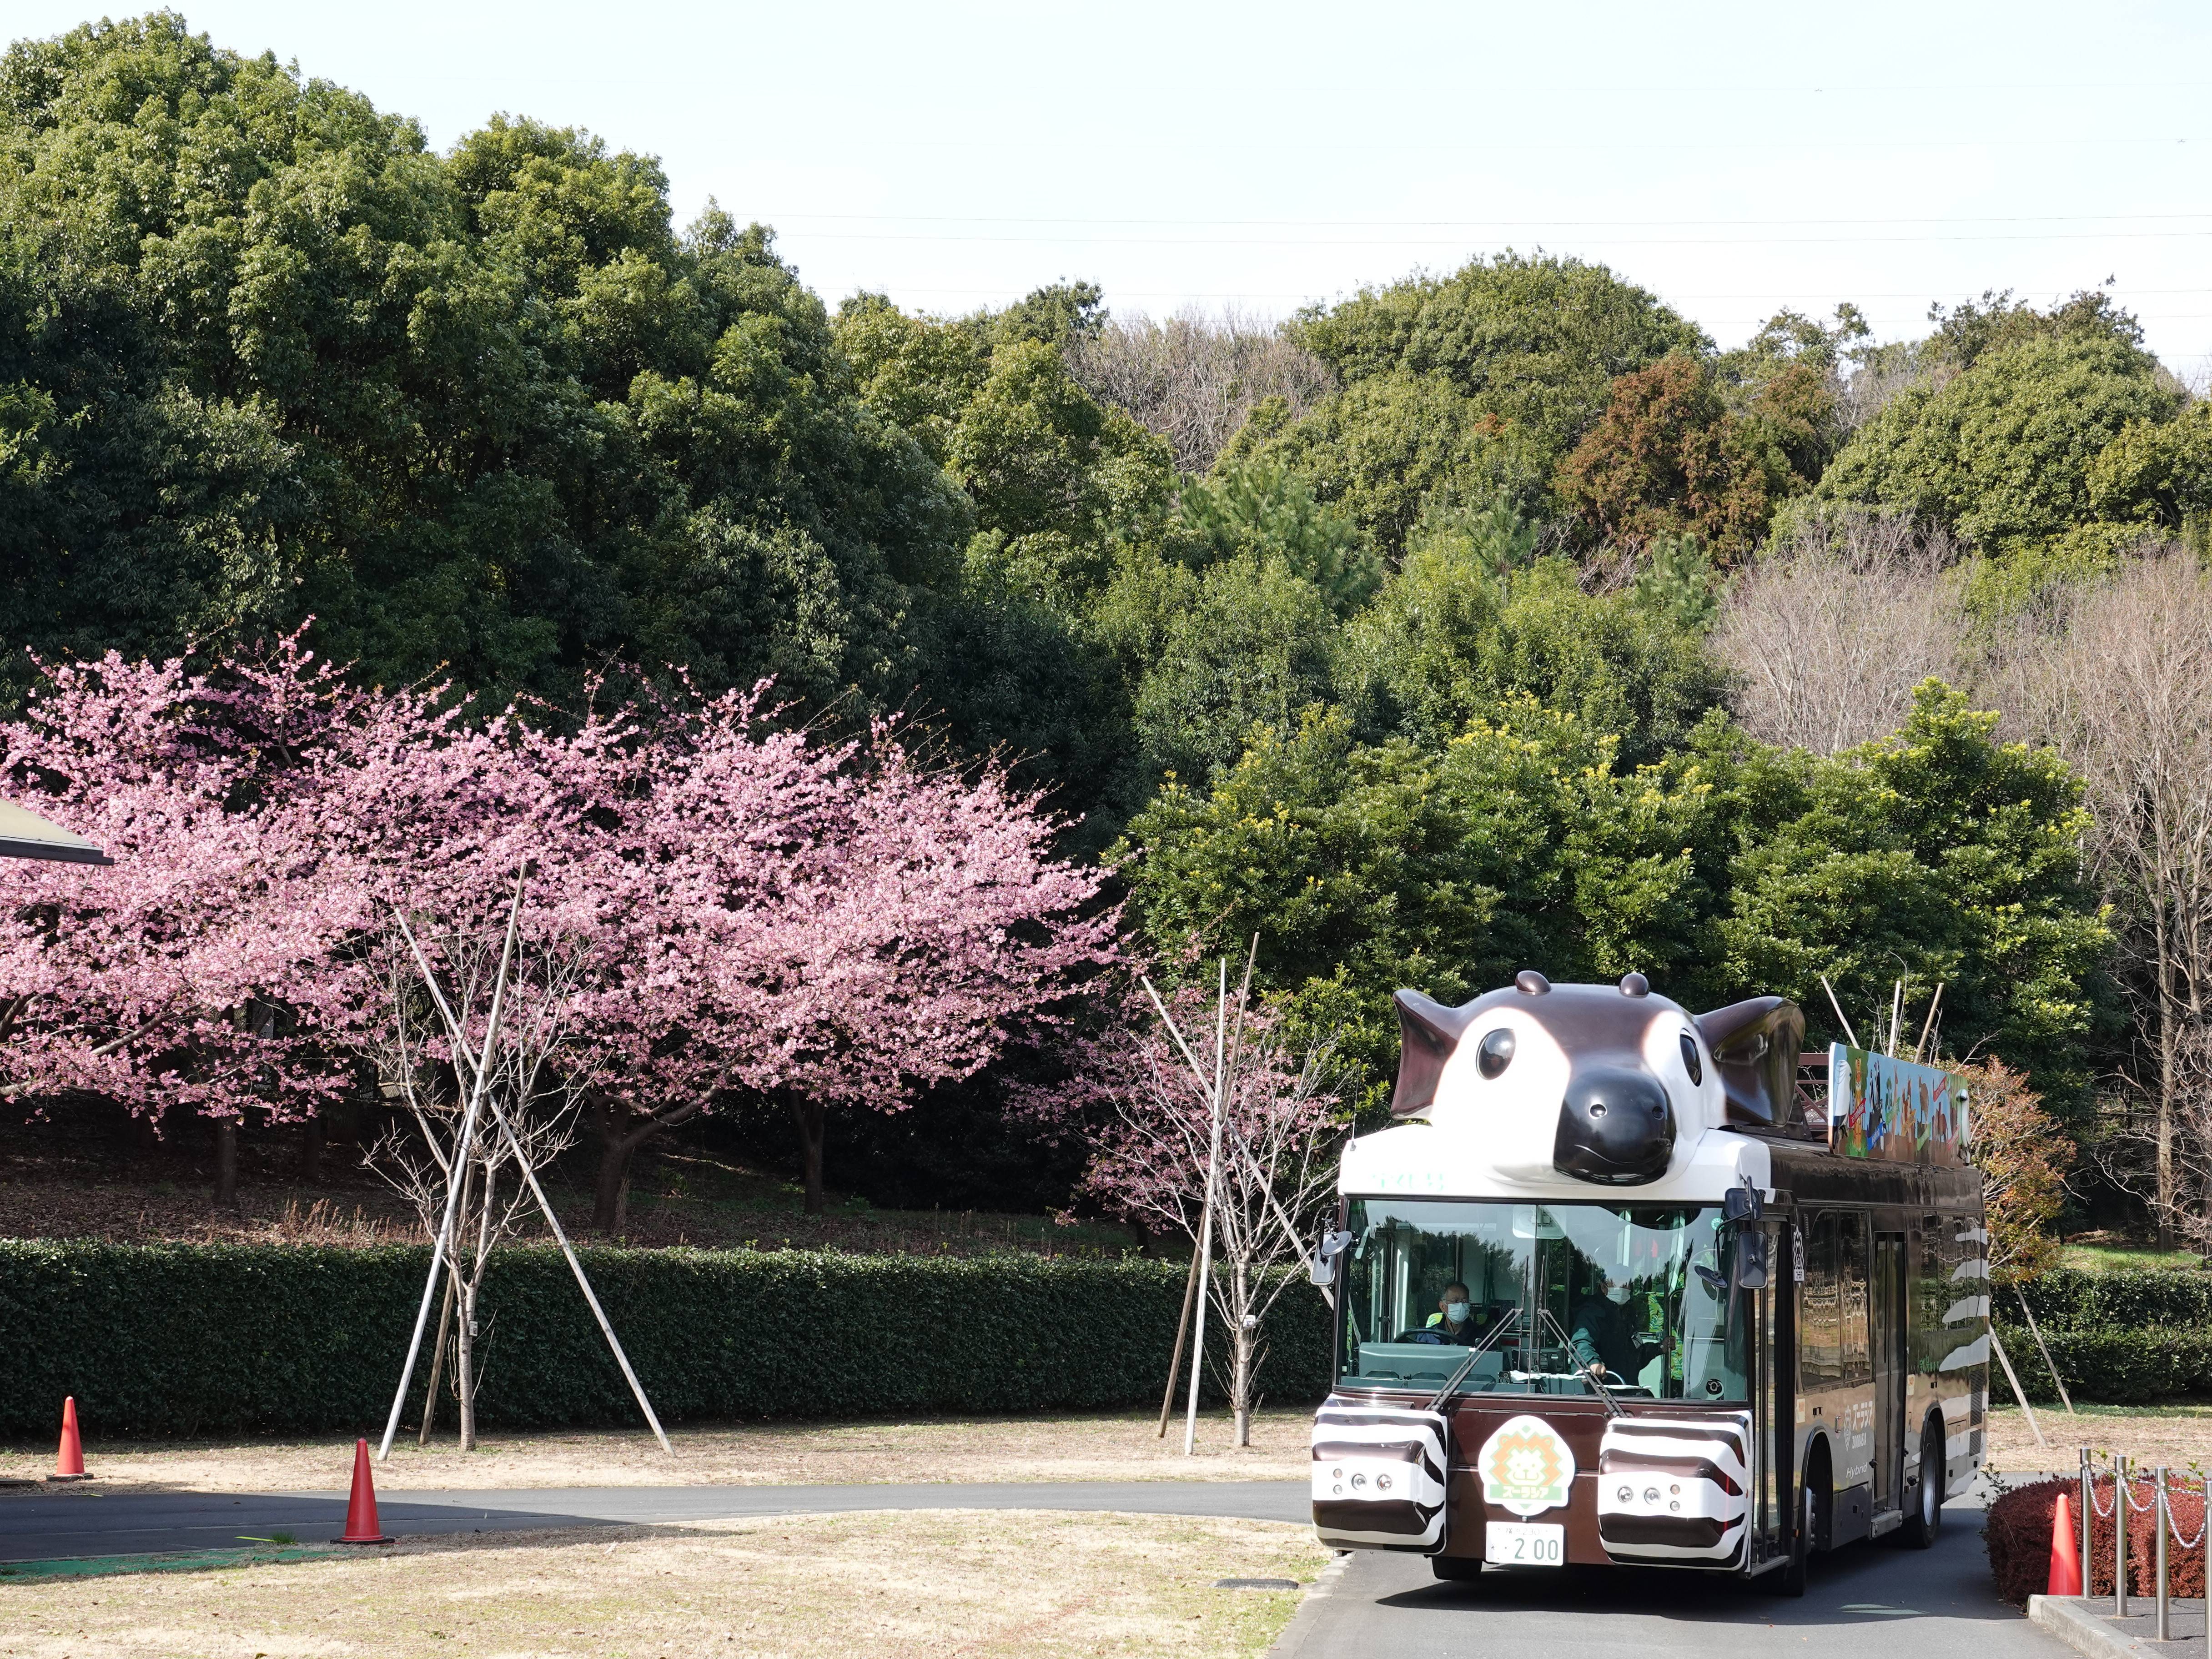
{"points": [[1886, 1316]]}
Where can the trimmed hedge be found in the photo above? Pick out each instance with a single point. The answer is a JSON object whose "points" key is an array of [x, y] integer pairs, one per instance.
{"points": [[2118, 1301], [190, 1339], [2128, 1337], [2017, 1533], [2111, 1367]]}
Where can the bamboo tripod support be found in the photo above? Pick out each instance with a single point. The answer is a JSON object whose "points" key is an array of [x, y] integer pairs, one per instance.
{"points": [[537, 1192]]}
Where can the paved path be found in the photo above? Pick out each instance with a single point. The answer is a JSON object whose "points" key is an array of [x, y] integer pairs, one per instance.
{"points": [[85, 1522], [1865, 1601]]}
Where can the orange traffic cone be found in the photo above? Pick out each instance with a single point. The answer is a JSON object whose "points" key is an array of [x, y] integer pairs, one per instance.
{"points": [[362, 1525], [2065, 1553], [69, 1462]]}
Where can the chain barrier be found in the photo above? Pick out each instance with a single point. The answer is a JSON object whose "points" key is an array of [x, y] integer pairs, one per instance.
{"points": [[2104, 1511], [2203, 1489], [2158, 1488]]}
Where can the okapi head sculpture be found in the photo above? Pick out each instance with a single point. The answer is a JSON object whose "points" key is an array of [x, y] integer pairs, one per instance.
{"points": [[1600, 1082]]}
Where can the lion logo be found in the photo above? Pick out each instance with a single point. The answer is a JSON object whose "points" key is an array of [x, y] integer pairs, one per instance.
{"points": [[1526, 1467]]}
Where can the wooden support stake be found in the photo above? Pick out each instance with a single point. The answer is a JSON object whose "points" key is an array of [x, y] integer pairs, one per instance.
{"points": [[1183, 1331], [2018, 1392]]}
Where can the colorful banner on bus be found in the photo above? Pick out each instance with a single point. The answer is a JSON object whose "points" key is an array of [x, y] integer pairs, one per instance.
{"points": [[1894, 1110]]}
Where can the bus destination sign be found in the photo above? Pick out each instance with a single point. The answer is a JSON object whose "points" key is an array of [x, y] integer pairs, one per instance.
{"points": [[1893, 1110]]}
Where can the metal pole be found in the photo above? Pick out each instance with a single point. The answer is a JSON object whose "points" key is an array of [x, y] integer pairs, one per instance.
{"points": [[2120, 1536], [453, 1175], [2088, 1495], [545, 1206], [1205, 1226], [2159, 1520]]}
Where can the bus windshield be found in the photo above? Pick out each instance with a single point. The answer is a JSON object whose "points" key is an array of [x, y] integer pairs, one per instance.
{"points": [[1633, 1296]]}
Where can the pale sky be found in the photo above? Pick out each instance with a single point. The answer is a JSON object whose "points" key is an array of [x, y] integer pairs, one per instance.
{"points": [[1732, 158]]}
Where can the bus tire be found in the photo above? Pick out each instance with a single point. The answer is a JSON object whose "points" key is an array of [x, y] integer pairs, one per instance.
{"points": [[1924, 1519], [1812, 1499], [1454, 1569]]}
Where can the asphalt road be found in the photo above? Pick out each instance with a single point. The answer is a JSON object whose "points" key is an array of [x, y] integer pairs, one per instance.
{"points": [[1934, 1604], [1371, 1606], [85, 1522]]}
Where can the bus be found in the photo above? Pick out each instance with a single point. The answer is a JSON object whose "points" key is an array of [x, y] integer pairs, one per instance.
{"points": [[1616, 1286]]}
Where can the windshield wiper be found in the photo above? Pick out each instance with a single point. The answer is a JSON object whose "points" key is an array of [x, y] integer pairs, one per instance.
{"points": [[1613, 1407], [1473, 1354]]}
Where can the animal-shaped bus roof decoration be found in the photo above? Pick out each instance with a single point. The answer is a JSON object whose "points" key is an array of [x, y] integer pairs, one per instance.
{"points": [[1610, 1084]]}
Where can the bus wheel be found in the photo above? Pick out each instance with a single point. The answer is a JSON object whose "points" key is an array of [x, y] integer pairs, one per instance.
{"points": [[1925, 1517]]}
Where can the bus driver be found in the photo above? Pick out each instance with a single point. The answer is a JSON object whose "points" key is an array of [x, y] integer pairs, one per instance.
{"points": [[1602, 1338], [1454, 1320]]}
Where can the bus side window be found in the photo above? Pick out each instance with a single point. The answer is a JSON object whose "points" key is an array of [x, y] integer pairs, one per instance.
{"points": [[1931, 1295], [1858, 1360], [1819, 1345]]}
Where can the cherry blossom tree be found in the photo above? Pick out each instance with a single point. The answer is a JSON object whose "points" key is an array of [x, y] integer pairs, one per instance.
{"points": [[750, 911], [831, 925], [195, 970]]}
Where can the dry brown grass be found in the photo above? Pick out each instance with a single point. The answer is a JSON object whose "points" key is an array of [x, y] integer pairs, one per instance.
{"points": [[947, 1583], [2176, 1436], [1118, 1447]]}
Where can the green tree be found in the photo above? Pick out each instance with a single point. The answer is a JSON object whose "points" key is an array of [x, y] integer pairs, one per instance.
{"points": [[1534, 341], [264, 355], [1938, 854], [2000, 451], [1366, 868], [1264, 509], [1448, 641], [1248, 644], [2158, 473], [1459, 388]]}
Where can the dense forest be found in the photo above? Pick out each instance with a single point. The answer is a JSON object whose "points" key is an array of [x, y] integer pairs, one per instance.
{"points": [[1481, 619]]}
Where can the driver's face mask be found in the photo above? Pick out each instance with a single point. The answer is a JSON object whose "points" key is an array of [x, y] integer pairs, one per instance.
{"points": [[1616, 1293], [1457, 1312]]}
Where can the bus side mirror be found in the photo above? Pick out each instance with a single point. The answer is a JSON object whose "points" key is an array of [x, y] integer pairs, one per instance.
{"points": [[1321, 1265], [1742, 1204], [1750, 1261]]}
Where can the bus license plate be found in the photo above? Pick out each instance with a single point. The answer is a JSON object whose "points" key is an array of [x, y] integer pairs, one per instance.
{"points": [[1524, 1544]]}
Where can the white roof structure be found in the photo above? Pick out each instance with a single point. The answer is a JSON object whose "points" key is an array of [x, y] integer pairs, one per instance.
{"points": [[25, 834]]}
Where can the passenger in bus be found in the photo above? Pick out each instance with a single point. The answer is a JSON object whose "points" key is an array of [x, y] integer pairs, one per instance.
{"points": [[1456, 1319], [1604, 1338]]}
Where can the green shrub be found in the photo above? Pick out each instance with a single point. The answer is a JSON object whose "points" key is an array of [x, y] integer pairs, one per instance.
{"points": [[2131, 1367], [176, 1340], [2068, 1297]]}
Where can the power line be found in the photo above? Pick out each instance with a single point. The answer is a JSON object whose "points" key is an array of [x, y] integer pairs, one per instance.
{"points": [[1485, 224], [1408, 241]]}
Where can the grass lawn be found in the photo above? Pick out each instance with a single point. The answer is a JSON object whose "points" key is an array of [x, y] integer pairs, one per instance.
{"points": [[2106, 1258], [970, 1583], [1116, 1446]]}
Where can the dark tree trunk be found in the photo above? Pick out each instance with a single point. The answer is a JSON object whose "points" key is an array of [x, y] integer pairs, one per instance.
{"points": [[611, 1187], [311, 1151], [810, 1116], [226, 1163], [146, 1130]]}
